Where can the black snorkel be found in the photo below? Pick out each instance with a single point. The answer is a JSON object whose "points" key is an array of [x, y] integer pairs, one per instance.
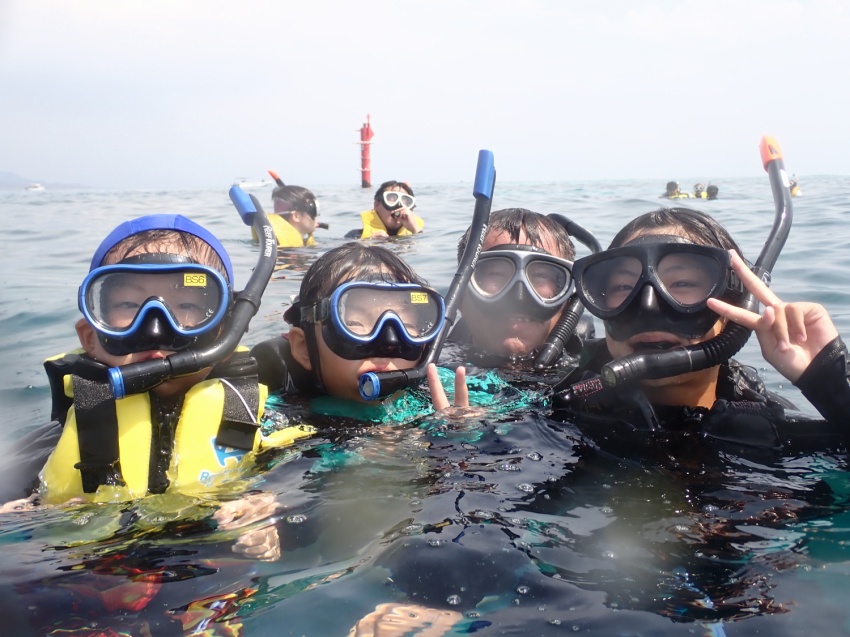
{"points": [[566, 325], [729, 342], [138, 378], [376, 385]]}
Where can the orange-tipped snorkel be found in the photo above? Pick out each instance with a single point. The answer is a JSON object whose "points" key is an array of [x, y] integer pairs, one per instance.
{"points": [[277, 178]]}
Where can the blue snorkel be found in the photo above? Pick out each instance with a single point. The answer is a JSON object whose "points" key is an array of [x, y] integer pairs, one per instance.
{"points": [[729, 342], [138, 378], [376, 385]]}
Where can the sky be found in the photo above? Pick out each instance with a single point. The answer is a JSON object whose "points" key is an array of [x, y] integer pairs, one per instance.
{"points": [[164, 94]]}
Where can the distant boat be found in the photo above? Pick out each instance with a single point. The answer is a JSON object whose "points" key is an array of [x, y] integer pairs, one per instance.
{"points": [[247, 184], [35, 187]]}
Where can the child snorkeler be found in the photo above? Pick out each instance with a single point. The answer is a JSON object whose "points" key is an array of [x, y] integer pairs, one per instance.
{"points": [[360, 309], [157, 285]]}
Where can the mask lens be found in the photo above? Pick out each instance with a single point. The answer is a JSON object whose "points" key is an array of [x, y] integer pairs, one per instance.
{"points": [[608, 284], [689, 279], [393, 198], [493, 274], [547, 279], [362, 311]]}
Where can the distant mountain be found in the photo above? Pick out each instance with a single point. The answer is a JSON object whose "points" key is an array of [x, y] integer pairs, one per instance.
{"points": [[9, 180], [12, 181]]}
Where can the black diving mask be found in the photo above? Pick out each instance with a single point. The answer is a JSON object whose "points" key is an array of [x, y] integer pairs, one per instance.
{"points": [[520, 278], [378, 320], [656, 283]]}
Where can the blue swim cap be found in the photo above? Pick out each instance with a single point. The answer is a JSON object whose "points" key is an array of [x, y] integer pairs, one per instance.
{"points": [[161, 222]]}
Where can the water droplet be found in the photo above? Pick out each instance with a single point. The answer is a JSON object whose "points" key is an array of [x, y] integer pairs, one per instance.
{"points": [[606, 510], [522, 590], [487, 515], [555, 622], [576, 628], [473, 614], [528, 488], [454, 600], [436, 542], [509, 466], [296, 518], [533, 455]]}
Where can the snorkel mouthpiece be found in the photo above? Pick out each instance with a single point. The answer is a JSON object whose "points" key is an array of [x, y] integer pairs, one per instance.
{"points": [[137, 378], [734, 336]]}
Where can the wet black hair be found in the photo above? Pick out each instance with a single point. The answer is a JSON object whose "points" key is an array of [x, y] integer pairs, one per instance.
{"points": [[165, 242], [295, 199], [536, 227], [392, 184], [697, 226], [711, 191], [352, 261]]}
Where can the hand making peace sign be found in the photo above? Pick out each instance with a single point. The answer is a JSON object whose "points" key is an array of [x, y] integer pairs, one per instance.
{"points": [[790, 334]]}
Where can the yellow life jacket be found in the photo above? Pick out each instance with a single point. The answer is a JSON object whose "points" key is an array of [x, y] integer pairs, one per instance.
{"points": [[681, 195], [210, 412], [372, 223], [287, 234]]}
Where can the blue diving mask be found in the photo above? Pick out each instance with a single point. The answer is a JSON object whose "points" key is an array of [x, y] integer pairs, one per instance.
{"points": [[154, 302], [656, 283], [520, 279], [378, 320]]}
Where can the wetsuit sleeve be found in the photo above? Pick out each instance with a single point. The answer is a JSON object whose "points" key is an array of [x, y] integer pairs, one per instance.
{"points": [[271, 363], [21, 466], [826, 383]]}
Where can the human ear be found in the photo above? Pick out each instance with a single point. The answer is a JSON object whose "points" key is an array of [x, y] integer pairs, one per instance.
{"points": [[298, 347], [87, 336]]}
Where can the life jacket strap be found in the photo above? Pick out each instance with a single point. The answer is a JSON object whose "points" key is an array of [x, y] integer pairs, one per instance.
{"points": [[239, 423], [57, 369], [97, 426]]}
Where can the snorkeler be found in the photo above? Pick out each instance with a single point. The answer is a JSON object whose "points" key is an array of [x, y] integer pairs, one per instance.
{"points": [[159, 289], [294, 219], [520, 289], [392, 214], [360, 309], [667, 282]]}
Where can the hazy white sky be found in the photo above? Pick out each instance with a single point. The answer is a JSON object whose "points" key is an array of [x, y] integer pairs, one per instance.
{"points": [[195, 93]]}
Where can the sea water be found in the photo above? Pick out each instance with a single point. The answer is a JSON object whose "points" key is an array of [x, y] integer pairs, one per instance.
{"points": [[518, 523]]}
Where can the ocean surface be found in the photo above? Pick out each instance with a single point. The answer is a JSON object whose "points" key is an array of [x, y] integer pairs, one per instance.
{"points": [[569, 539]]}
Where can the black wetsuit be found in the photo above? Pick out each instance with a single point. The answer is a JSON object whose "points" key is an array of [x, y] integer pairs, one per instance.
{"points": [[745, 412], [279, 371]]}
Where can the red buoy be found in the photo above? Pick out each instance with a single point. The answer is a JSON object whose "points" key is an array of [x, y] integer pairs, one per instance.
{"points": [[366, 135]]}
